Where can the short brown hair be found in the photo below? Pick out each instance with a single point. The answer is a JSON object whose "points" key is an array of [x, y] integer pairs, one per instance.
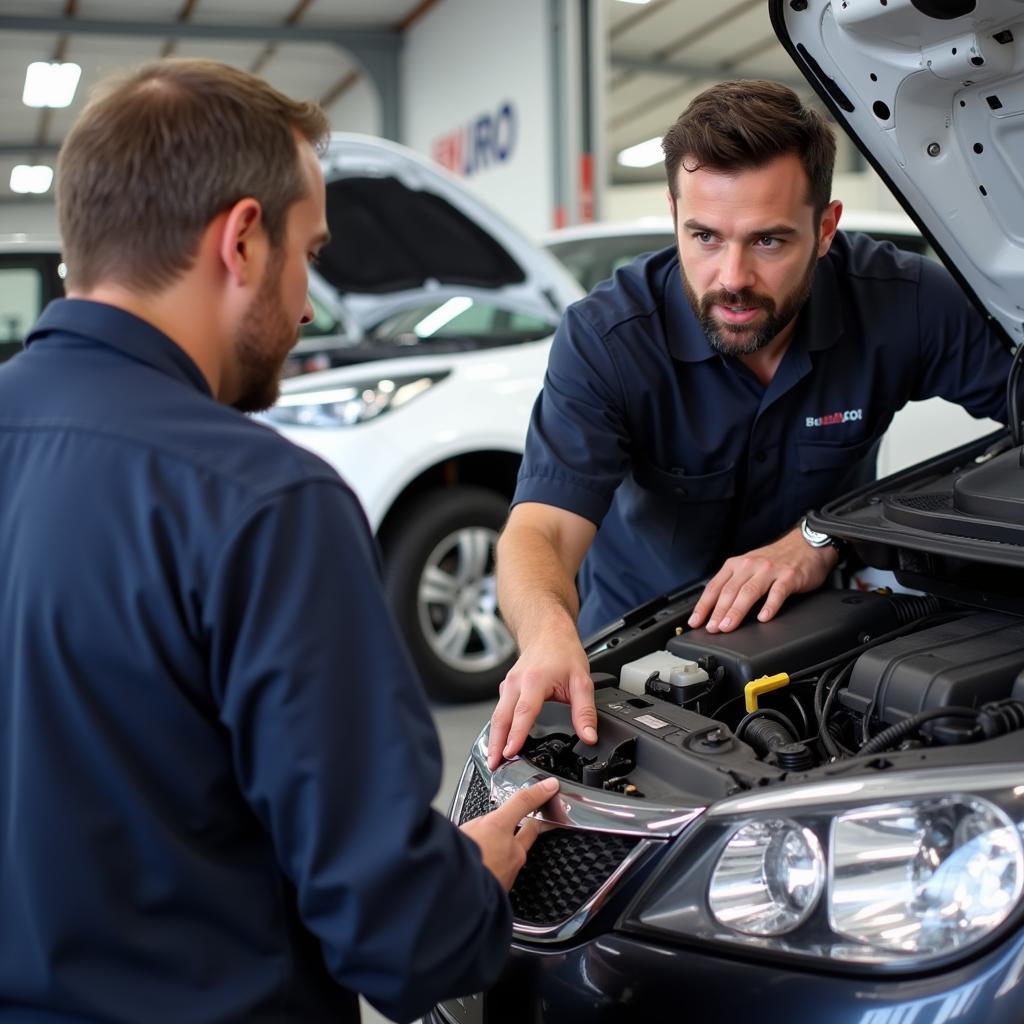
{"points": [[743, 125], [157, 154]]}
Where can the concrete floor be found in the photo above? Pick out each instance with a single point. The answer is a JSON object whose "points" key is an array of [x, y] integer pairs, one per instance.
{"points": [[458, 726]]}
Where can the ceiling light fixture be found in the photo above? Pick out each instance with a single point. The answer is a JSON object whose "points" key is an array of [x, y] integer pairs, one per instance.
{"points": [[50, 84], [31, 179], [643, 154]]}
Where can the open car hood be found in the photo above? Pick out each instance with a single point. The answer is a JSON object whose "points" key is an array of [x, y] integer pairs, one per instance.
{"points": [[932, 91], [404, 231]]}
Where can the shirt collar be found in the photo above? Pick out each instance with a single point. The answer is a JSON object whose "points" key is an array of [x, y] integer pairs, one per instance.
{"points": [[118, 329], [819, 324]]}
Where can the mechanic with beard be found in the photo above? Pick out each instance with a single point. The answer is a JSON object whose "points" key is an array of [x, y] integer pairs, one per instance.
{"points": [[698, 404], [218, 760]]}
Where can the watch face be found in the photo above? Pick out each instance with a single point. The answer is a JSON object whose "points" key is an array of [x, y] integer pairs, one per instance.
{"points": [[813, 537]]}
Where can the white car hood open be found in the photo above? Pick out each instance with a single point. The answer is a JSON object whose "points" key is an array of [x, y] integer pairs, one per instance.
{"points": [[405, 231], [932, 91]]}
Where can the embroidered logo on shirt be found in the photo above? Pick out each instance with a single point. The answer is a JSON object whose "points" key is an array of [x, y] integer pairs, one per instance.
{"points": [[847, 416]]}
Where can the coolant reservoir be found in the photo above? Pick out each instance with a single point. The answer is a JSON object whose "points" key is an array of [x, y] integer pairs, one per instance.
{"points": [[680, 678]]}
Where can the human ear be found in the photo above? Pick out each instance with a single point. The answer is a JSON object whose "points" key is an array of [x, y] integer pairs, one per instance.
{"points": [[241, 236], [828, 225]]}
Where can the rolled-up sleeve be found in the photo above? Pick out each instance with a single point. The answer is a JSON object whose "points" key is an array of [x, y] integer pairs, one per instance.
{"points": [[335, 751]]}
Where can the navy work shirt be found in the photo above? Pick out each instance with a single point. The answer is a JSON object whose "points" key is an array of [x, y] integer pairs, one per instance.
{"points": [[683, 458], [217, 760]]}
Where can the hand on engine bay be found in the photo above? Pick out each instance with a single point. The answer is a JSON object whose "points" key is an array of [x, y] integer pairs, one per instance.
{"points": [[555, 668], [787, 566]]}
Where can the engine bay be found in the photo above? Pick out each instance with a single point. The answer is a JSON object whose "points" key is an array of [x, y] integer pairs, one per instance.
{"points": [[839, 678]]}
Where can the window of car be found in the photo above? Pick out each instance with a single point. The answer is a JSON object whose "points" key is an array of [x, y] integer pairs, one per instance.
{"points": [[27, 283], [460, 318], [592, 260]]}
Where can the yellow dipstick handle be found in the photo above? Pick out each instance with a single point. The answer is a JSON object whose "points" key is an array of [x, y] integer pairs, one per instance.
{"points": [[765, 684]]}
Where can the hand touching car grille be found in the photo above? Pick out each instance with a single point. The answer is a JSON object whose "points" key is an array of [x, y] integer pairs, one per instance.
{"points": [[565, 867]]}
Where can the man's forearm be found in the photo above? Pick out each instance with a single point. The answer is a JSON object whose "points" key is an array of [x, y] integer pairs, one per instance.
{"points": [[536, 589]]}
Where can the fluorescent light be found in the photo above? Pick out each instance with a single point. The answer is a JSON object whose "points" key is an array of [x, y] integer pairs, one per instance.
{"points": [[50, 84], [643, 154], [635, 1], [35, 179], [441, 316]]}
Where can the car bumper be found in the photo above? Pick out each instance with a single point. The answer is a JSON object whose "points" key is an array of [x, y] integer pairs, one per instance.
{"points": [[621, 978]]}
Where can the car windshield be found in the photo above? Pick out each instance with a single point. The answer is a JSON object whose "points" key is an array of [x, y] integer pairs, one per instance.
{"points": [[456, 324], [459, 318], [592, 260]]}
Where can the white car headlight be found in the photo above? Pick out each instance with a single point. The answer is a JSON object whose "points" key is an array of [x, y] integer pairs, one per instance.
{"points": [[768, 878], [349, 404], [901, 869]]}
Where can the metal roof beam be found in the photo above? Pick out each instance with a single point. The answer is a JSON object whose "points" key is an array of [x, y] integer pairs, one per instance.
{"points": [[22, 148], [355, 39], [686, 69]]}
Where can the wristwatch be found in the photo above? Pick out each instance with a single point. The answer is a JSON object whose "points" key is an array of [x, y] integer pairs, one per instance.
{"points": [[817, 539]]}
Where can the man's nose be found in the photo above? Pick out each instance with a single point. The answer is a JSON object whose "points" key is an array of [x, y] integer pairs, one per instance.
{"points": [[307, 312], [735, 272]]}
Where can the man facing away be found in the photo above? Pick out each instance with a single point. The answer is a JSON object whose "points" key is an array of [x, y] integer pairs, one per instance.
{"points": [[217, 760], [704, 399]]}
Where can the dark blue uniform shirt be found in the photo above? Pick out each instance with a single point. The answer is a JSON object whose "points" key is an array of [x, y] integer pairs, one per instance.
{"points": [[217, 761], [683, 458]]}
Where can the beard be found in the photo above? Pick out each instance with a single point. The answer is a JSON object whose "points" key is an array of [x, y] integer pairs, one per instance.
{"points": [[746, 339], [264, 338]]}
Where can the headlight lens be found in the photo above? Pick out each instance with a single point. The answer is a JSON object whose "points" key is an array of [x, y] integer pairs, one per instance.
{"points": [[923, 877], [768, 878], [902, 869], [349, 404]]}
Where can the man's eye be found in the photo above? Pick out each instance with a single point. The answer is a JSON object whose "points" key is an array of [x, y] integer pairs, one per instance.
{"points": [[769, 242], [704, 237]]}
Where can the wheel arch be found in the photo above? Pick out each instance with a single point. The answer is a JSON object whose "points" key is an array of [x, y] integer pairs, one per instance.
{"points": [[493, 469]]}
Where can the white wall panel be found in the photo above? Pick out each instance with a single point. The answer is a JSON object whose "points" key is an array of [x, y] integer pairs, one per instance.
{"points": [[466, 65]]}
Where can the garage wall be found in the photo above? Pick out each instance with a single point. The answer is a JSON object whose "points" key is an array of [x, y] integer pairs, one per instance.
{"points": [[32, 218], [476, 95], [358, 110]]}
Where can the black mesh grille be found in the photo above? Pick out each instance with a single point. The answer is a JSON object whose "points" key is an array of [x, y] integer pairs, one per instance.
{"points": [[478, 800], [565, 867], [563, 870], [925, 502]]}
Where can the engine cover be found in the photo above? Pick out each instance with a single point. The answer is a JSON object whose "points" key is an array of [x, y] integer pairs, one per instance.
{"points": [[966, 663], [809, 629]]}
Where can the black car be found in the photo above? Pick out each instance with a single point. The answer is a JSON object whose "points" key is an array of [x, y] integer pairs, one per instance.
{"points": [[820, 818]]}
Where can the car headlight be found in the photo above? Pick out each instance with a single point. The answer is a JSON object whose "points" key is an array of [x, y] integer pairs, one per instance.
{"points": [[897, 869], [923, 877], [768, 878], [348, 404]]}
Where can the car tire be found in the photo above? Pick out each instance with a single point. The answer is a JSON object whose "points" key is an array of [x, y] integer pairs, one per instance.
{"points": [[439, 580]]}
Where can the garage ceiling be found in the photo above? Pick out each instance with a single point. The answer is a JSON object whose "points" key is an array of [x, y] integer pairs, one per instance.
{"points": [[660, 53]]}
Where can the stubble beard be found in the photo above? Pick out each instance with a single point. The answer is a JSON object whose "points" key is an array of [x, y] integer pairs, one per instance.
{"points": [[746, 339], [265, 337]]}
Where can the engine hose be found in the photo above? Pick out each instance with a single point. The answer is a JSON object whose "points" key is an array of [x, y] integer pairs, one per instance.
{"points": [[888, 738], [910, 607], [1001, 717], [770, 732]]}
